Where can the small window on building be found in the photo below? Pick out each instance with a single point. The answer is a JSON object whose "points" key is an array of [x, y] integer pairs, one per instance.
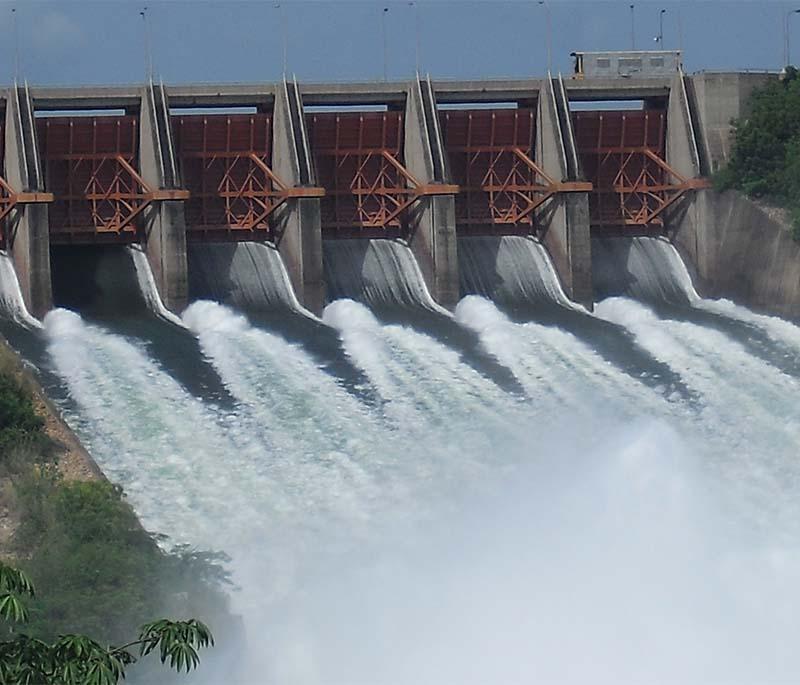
{"points": [[603, 63], [657, 62], [630, 63]]}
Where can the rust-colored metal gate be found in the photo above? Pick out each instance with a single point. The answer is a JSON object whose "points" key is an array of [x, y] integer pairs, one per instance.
{"points": [[492, 160], [623, 154], [359, 161], [226, 164], [91, 167]]}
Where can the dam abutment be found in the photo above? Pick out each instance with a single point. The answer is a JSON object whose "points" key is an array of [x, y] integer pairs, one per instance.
{"points": [[736, 249]]}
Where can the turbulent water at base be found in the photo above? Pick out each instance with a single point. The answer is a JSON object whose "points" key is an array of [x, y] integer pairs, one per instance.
{"points": [[601, 525]]}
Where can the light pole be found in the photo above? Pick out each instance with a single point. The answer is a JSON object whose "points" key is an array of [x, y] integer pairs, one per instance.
{"points": [[549, 39], [284, 38], [16, 43], [385, 45], [417, 47], [633, 27], [787, 47], [148, 56], [660, 37]]}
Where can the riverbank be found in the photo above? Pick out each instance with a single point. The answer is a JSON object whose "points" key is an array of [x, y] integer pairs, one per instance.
{"points": [[97, 570], [72, 461]]}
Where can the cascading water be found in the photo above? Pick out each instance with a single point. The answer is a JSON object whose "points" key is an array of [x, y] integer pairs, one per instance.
{"points": [[509, 270], [380, 273], [12, 304], [640, 267], [593, 527], [650, 270], [247, 275]]}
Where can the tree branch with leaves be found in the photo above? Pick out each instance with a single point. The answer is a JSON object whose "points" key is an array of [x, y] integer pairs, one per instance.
{"points": [[77, 659]]}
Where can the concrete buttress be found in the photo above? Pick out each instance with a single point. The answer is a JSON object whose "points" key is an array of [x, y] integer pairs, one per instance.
{"points": [[29, 230], [433, 239], [165, 223], [566, 231], [298, 221]]}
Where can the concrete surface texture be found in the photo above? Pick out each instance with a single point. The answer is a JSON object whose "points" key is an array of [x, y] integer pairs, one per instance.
{"points": [[737, 251]]}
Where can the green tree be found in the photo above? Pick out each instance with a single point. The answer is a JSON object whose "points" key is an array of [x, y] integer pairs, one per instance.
{"points": [[765, 160], [79, 660]]}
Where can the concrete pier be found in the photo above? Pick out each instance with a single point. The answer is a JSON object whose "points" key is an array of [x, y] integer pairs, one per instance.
{"points": [[165, 225], [298, 228], [433, 238], [566, 219], [27, 226]]}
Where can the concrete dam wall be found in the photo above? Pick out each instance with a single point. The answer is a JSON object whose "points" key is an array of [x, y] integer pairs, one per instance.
{"points": [[735, 250], [440, 163]]}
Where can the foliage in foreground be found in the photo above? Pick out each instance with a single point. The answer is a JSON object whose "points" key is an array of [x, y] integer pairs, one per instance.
{"points": [[19, 424], [79, 660], [765, 161], [105, 574]]}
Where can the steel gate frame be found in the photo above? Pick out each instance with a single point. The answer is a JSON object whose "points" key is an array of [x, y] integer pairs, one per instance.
{"points": [[115, 192], [641, 190], [515, 186], [251, 191], [382, 189]]}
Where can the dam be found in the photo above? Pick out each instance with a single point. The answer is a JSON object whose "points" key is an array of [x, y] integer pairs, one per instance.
{"points": [[434, 363]]}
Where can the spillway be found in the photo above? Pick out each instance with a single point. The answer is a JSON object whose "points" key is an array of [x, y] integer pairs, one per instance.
{"points": [[247, 275], [509, 269], [12, 305], [381, 273], [626, 512]]}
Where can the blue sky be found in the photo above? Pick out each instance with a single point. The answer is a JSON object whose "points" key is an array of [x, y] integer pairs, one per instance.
{"points": [[70, 42]]}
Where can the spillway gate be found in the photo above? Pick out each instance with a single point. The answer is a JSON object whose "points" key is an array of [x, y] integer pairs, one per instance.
{"points": [[491, 157], [359, 161], [623, 155], [226, 165], [91, 168]]}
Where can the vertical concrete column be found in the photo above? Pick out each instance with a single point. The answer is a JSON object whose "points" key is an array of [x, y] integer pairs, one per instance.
{"points": [[685, 154], [29, 229], [298, 221], [165, 224], [566, 232], [433, 238]]}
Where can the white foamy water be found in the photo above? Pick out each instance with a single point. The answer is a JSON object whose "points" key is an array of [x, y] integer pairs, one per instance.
{"points": [[145, 431], [12, 303], [553, 366], [452, 533], [750, 415], [425, 383], [779, 330], [320, 437]]}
